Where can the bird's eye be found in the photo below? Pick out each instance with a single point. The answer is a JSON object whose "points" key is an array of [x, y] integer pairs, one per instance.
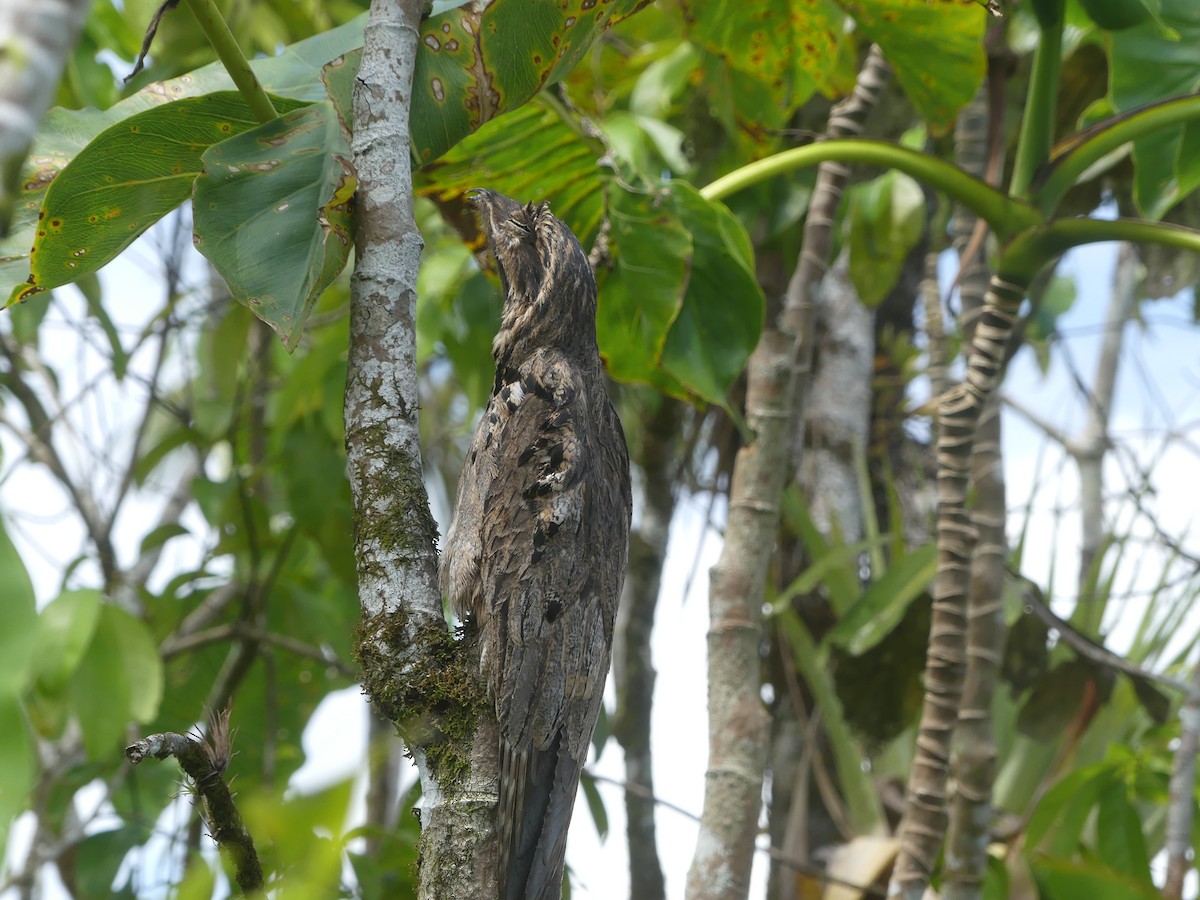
{"points": [[522, 226]]}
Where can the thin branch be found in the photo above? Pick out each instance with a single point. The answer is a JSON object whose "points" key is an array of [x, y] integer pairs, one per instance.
{"points": [[163, 333], [43, 450], [1041, 423], [204, 762], [135, 577], [1085, 646], [244, 631]]}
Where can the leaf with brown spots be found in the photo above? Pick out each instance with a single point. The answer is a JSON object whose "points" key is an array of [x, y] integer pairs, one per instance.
{"points": [[130, 176], [477, 62], [935, 48]]}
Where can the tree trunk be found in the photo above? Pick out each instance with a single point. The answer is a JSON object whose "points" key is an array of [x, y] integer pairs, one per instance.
{"points": [[776, 386], [633, 668], [411, 667]]}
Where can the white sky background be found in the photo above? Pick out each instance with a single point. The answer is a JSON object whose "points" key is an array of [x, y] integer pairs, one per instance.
{"points": [[1158, 390]]}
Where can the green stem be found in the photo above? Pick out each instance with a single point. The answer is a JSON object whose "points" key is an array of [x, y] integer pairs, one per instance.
{"points": [[213, 24], [1029, 251], [1005, 215], [1105, 137], [1037, 125]]}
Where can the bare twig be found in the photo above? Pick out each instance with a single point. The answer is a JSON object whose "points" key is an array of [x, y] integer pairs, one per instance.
{"points": [[1085, 646], [204, 762], [43, 450], [175, 646]]}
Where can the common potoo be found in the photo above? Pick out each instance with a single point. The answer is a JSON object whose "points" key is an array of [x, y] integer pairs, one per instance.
{"points": [[536, 554]]}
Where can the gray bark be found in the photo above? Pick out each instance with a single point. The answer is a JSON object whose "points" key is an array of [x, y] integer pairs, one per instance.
{"points": [[395, 536], [777, 383]]}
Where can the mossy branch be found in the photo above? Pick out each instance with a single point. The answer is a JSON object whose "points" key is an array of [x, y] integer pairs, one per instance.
{"points": [[204, 762]]}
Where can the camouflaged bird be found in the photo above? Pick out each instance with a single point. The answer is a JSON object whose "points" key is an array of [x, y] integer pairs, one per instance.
{"points": [[536, 554]]}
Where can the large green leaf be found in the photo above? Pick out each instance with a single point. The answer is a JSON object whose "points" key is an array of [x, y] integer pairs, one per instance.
{"points": [[272, 214], [65, 630], [790, 47], [295, 73], [935, 48], [1120, 841], [642, 295], [886, 220], [321, 506], [476, 63], [883, 604], [18, 618], [722, 313], [1067, 880], [529, 154], [118, 679], [18, 761], [1062, 812], [125, 180], [1149, 63], [681, 308]]}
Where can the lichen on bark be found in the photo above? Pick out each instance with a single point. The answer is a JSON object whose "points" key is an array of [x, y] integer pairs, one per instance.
{"points": [[437, 706]]}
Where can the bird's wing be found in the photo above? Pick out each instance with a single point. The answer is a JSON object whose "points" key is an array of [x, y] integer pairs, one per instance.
{"points": [[459, 574], [545, 642]]}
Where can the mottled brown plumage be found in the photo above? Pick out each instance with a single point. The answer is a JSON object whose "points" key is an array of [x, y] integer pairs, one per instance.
{"points": [[536, 554]]}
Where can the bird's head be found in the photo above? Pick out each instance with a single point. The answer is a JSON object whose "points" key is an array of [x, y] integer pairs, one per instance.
{"points": [[549, 289]]}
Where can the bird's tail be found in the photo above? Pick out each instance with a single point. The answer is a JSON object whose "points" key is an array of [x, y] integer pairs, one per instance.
{"points": [[537, 794]]}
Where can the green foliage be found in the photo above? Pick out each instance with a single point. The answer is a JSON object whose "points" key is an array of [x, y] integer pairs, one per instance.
{"points": [[814, 53], [266, 610], [18, 618], [883, 604], [65, 630], [254, 206], [126, 179], [886, 221], [474, 65], [64, 135], [1149, 63], [665, 316], [1116, 16], [119, 679], [18, 761]]}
